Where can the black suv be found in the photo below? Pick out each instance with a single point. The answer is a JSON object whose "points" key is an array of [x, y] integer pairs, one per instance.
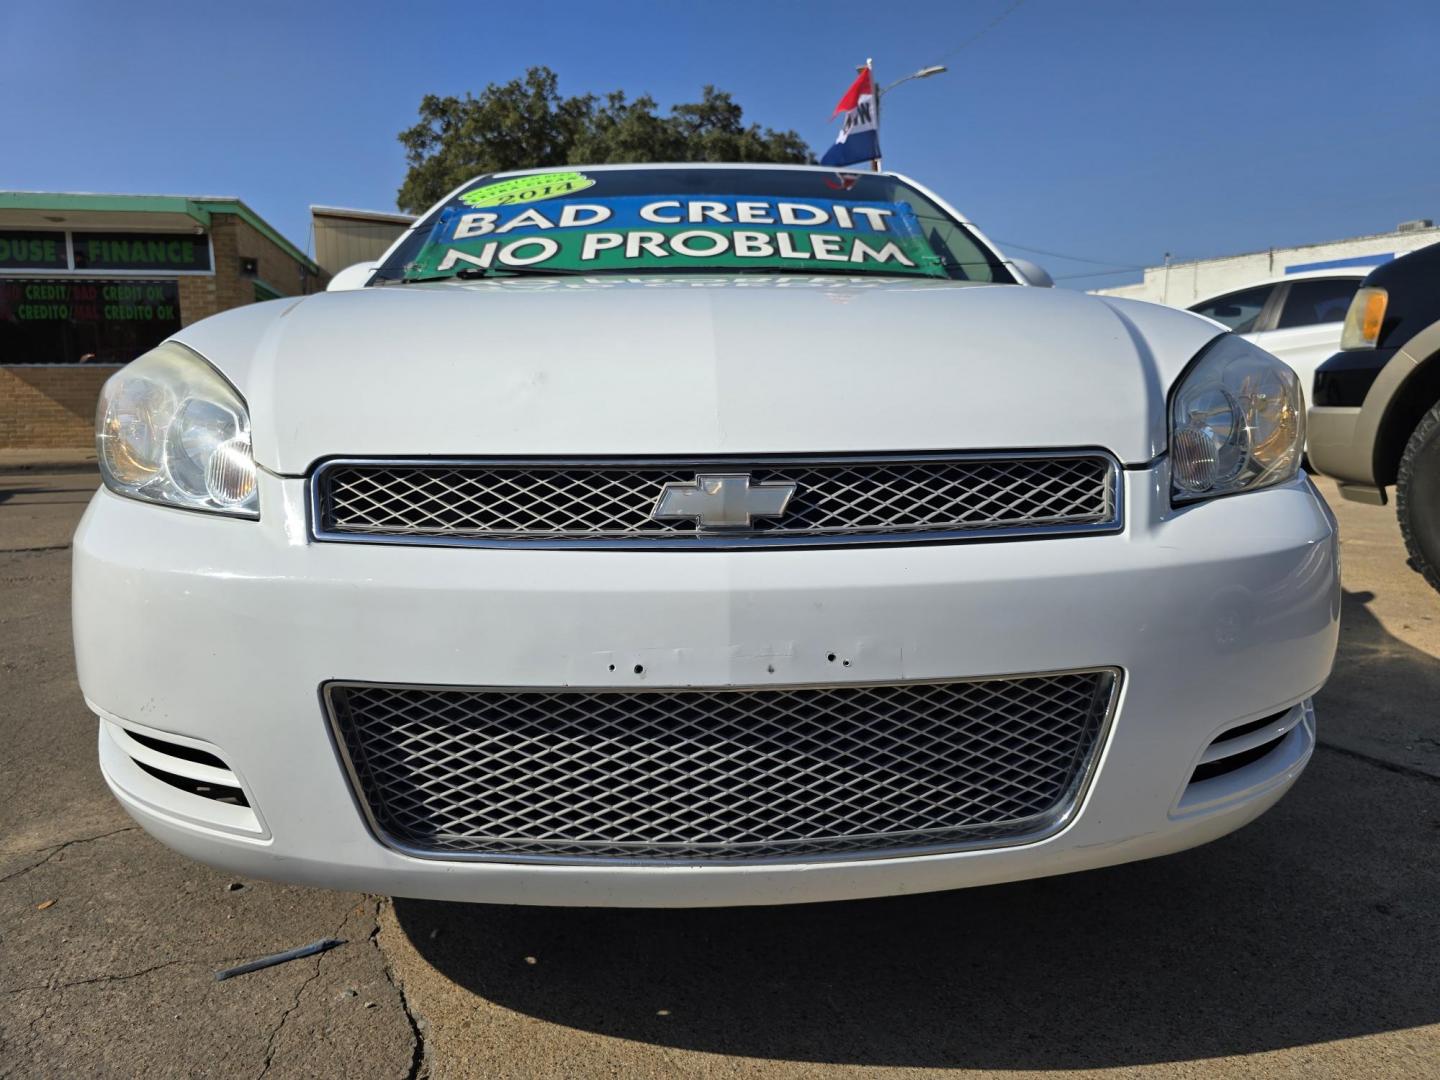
{"points": [[1375, 418]]}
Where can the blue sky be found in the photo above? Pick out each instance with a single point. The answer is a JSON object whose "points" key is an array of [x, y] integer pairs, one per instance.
{"points": [[1113, 130]]}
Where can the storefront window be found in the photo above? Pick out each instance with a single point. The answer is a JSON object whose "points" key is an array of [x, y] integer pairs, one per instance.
{"points": [[28, 249], [80, 320], [152, 252]]}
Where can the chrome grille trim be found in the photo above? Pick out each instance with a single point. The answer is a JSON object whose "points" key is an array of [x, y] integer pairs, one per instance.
{"points": [[429, 788], [843, 499]]}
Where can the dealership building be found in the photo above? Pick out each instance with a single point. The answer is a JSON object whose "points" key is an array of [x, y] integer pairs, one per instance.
{"points": [[88, 282]]}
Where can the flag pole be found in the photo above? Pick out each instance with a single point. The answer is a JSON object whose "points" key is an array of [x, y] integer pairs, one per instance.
{"points": [[870, 66]]}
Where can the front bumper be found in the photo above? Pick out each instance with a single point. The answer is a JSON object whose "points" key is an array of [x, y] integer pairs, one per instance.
{"points": [[219, 634], [1338, 448]]}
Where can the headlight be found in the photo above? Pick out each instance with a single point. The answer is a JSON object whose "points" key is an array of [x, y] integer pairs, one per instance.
{"points": [[1237, 422], [171, 430], [1364, 318]]}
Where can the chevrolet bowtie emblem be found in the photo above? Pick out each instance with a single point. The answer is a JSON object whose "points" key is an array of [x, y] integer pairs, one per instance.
{"points": [[722, 500]]}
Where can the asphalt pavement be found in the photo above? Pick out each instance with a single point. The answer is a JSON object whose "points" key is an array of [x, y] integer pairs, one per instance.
{"points": [[1306, 944]]}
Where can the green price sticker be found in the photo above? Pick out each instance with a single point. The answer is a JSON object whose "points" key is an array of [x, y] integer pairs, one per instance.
{"points": [[524, 189]]}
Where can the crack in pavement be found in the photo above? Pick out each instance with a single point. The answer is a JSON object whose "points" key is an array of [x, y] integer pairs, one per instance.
{"points": [[285, 1016], [274, 1038], [1378, 762], [57, 849], [270, 1046], [123, 976], [419, 1066], [31, 1035]]}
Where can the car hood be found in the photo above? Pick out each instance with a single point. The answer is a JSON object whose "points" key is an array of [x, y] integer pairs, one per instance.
{"points": [[698, 365]]}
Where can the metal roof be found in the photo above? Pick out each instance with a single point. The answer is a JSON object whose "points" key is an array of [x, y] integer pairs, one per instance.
{"points": [[197, 208]]}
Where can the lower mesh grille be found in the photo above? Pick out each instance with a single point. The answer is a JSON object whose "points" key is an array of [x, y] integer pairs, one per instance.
{"points": [[733, 774]]}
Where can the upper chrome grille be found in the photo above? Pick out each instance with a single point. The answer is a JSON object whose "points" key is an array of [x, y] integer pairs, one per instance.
{"points": [[706, 774], [608, 502]]}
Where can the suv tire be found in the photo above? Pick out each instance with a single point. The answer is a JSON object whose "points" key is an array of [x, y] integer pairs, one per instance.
{"points": [[1417, 497]]}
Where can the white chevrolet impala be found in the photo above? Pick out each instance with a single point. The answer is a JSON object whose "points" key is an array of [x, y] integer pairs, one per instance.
{"points": [[699, 535]]}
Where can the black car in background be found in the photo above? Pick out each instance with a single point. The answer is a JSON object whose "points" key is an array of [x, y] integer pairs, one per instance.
{"points": [[1375, 415]]}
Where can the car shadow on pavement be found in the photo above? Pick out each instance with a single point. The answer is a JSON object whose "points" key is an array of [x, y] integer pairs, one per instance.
{"points": [[1321, 921], [80, 496], [1382, 697]]}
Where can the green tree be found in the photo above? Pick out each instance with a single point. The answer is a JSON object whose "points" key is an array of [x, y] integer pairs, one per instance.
{"points": [[526, 124]]}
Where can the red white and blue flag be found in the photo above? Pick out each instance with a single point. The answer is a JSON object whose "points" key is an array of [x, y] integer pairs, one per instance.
{"points": [[859, 138]]}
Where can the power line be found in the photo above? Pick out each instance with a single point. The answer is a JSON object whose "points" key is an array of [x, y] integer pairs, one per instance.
{"points": [[991, 25], [1062, 255], [1096, 273]]}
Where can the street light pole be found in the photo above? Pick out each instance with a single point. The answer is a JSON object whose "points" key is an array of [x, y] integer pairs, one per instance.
{"points": [[923, 73]]}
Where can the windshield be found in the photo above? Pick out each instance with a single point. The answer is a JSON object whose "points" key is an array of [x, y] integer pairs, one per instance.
{"points": [[690, 220]]}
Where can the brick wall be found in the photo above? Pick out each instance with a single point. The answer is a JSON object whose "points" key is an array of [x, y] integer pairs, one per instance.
{"points": [[53, 408], [197, 299], [235, 239], [47, 408]]}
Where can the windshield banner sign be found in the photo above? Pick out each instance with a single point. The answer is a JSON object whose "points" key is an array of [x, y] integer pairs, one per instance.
{"points": [[652, 232]]}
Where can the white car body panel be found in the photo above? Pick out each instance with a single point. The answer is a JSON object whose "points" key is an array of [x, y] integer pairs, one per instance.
{"points": [[698, 365], [1217, 615], [218, 635]]}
